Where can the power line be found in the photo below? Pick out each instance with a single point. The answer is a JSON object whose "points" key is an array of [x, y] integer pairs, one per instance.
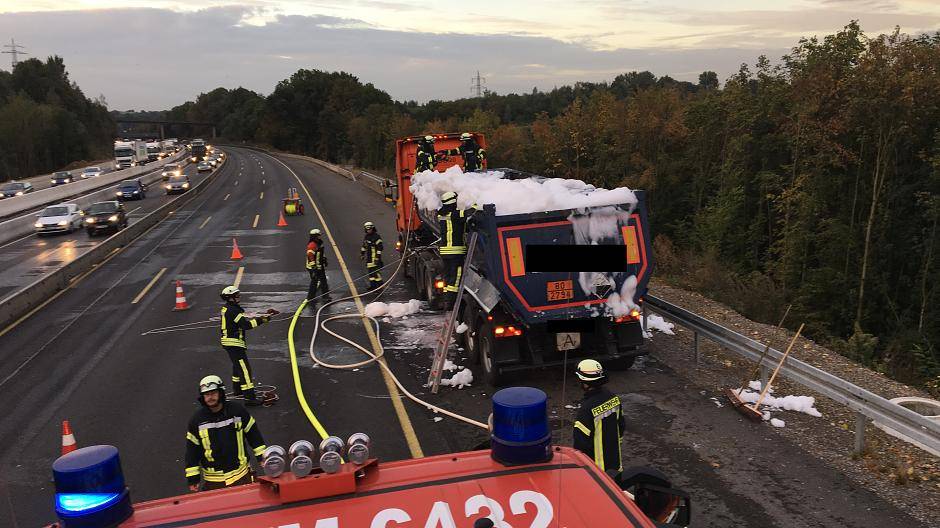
{"points": [[478, 85], [13, 49]]}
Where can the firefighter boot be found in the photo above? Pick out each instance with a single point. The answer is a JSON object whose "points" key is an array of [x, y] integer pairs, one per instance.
{"points": [[252, 399]]}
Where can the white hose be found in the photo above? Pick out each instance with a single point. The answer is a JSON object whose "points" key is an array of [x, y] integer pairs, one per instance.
{"points": [[372, 356]]}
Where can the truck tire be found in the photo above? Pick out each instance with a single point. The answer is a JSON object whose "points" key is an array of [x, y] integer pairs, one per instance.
{"points": [[487, 346], [468, 316], [623, 363], [419, 283]]}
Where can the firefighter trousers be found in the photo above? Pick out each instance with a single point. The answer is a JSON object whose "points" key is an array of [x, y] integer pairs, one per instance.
{"points": [[375, 276], [318, 284], [241, 372], [453, 269]]}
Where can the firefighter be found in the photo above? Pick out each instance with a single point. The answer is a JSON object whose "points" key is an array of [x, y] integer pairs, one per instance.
{"points": [[371, 254], [316, 267], [600, 421], [234, 323], [453, 245], [472, 153], [215, 440], [425, 157]]}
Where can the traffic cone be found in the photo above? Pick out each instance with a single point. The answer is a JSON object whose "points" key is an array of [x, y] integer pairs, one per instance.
{"points": [[68, 439], [281, 222], [180, 298], [236, 254]]}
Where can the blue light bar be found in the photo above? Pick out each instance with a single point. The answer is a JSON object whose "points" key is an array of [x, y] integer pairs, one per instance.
{"points": [[520, 427], [85, 502]]}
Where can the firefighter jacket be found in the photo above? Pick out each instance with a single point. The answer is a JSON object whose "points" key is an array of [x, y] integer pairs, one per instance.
{"points": [[372, 249], [234, 324], [424, 158], [316, 260], [599, 427], [453, 224], [215, 444], [473, 155]]}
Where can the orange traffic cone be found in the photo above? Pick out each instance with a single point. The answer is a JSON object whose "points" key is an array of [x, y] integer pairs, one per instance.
{"points": [[236, 254], [281, 222], [68, 439], [180, 298]]}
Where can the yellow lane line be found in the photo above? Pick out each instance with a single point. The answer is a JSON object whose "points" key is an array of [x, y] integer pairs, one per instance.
{"points": [[406, 426], [148, 286], [238, 276], [206, 221], [255, 223], [226, 197], [262, 196]]}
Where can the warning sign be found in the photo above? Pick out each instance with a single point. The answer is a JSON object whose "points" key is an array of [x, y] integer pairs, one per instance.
{"points": [[559, 290]]}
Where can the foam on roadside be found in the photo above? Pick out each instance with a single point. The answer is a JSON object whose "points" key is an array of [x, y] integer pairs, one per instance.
{"points": [[379, 309]]}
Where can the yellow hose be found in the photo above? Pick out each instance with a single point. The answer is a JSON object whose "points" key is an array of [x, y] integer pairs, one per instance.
{"points": [[296, 372]]}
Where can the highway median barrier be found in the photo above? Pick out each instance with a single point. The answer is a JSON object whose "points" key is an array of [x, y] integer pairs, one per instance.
{"points": [[23, 302]]}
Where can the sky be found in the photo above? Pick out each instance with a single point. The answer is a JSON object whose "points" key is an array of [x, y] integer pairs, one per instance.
{"points": [[153, 55]]}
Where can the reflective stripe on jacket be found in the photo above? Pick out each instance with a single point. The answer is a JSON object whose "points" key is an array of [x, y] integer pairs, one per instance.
{"points": [[215, 444], [234, 323], [598, 429]]}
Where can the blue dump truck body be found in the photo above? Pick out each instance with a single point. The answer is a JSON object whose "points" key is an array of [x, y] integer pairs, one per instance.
{"points": [[546, 288]]}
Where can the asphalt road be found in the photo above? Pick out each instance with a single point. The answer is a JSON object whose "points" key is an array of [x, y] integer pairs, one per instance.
{"points": [[26, 259], [125, 373]]}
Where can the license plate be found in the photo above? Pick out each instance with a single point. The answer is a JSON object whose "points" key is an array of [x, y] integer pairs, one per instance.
{"points": [[568, 340]]}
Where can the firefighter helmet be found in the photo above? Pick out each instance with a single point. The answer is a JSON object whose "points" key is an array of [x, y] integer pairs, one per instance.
{"points": [[590, 370], [210, 383], [465, 136], [450, 197], [314, 232], [429, 139], [229, 292], [368, 226]]}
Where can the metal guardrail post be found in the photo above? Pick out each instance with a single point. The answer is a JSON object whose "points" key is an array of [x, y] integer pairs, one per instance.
{"points": [[695, 346], [860, 422], [764, 375]]}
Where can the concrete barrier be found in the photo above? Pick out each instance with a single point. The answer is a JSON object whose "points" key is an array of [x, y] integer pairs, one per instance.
{"points": [[29, 202], [25, 300]]}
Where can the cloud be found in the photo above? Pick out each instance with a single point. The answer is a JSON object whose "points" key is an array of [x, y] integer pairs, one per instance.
{"points": [[158, 58]]}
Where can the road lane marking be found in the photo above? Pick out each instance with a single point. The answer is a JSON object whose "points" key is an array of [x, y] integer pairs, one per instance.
{"points": [[255, 223], [263, 181], [226, 197], [262, 196], [206, 221], [238, 276], [134, 209], [403, 419], [15, 241], [236, 183], [148, 286]]}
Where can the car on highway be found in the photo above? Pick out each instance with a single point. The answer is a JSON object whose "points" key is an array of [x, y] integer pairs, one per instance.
{"points": [[213, 161], [92, 172], [105, 216], [131, 190], [204, 166], [177, 184], [16, 189], [171, 169], [62, 177], [59, 218]]}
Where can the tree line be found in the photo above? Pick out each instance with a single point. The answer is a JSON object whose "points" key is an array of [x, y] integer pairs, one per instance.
{"points": [[810, 181], [46, 122]]}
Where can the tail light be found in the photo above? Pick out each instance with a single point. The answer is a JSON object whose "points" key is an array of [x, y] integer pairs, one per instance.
{"points": [[398, 245], [507, 331], [634, 315], [439, 284]]}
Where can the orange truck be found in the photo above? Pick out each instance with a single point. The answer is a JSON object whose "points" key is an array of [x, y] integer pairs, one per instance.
{"points": [[526, 302]]}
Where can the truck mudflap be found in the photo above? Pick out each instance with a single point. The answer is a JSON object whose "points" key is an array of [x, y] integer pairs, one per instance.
{"points": [[574, 289]]}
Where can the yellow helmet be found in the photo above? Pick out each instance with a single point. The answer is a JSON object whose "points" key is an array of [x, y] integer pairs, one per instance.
{"points": [[590, 370]]}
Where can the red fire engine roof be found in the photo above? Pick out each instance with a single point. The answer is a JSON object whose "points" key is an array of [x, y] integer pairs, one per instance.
{"points": [[444, 491]]}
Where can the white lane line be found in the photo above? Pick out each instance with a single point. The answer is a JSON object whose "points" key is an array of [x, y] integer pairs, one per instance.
{"points": [[205, 222], [264, 182], [262, 196], [226, 197], [148, 286], [15, 241], [238, 276], [134, 209], [255, 223], [236, 183]]}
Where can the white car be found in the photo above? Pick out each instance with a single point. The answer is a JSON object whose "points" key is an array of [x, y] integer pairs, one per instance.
{"points": [[92, 172], [59, 218]]}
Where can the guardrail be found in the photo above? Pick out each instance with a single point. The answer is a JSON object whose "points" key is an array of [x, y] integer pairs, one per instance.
{"points": [[24, 301], [914, 428]]}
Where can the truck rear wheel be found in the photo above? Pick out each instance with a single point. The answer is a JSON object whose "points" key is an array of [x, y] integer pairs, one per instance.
{"points": [[420, 275], [487, 346], [623, 363]]}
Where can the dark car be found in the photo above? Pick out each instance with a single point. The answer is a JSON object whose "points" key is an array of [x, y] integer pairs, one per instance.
{"points": [[16, 189], [61, 178], [177, 184], [131, 190], [105, 216]]}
